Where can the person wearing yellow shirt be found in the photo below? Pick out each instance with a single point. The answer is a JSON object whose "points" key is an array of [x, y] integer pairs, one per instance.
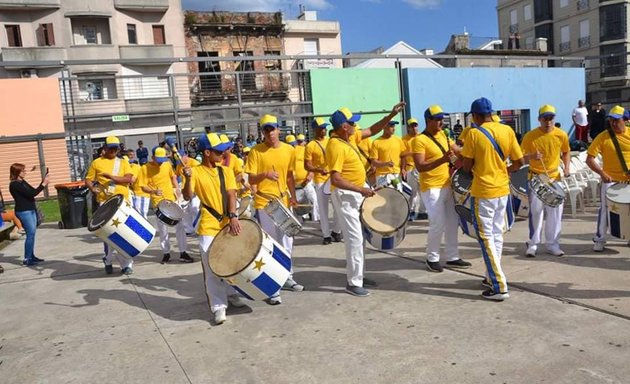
{"points": [[107, 176], [611, 170], [204, 182], [385, 156], [490, 188], [191, 209], [349, 188], [159, 180], [270, 167], [303, 178], [139, 198], [231, 161], [315, 161], [411, 174], [432, 156], [543, 147]]}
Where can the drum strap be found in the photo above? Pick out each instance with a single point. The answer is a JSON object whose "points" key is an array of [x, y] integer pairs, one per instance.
{"points": [[213, 211], [357, 150], [438, 144], [492, 141], [321, 147], [615, 141]]}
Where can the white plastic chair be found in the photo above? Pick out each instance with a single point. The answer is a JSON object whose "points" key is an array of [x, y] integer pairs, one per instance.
{"points": [[575, 192]]}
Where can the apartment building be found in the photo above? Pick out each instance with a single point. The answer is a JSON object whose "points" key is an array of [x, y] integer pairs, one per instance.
{"points": [[594, 29], [112, 58]]}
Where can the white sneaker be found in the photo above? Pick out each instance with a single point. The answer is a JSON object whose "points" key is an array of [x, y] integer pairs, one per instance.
{"points": [[598, 246], [555, 251], [274, 300], [236, 301], [531, 251], [220, 316]]}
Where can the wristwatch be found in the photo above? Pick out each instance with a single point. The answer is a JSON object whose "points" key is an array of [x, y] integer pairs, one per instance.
{"points": [[232, 215]]}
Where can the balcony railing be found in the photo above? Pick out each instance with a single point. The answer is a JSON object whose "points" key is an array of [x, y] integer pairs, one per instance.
{"points": [[566, 46], [584, 42], [582, 4]]}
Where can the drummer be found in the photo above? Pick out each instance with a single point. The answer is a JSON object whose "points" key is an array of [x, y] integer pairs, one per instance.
{"points": [[159, 181], [236, 165], [432, 156], [109, 175], [490, 188], [411, 175], [191, 210], [611, 171], [270, 167], [204, 182], [385, 156], [349, 188], [303, 178], [543, 147], [139, 199], [315, 161]]}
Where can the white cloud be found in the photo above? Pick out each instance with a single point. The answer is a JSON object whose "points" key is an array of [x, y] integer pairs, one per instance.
{"points": [[424, 4], [253, 5]]}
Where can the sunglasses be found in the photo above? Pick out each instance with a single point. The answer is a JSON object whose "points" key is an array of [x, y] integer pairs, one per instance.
{"points": [[351, 123], [548, 118]]}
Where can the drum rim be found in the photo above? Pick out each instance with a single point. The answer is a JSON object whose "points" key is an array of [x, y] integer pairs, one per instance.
{"points": [[227, 228], [165, 219], [614, 188], [170, 202], [404, 223], [96, 226]]}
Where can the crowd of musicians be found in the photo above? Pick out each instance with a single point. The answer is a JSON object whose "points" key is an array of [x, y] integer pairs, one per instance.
{"points": [[343, 166]]}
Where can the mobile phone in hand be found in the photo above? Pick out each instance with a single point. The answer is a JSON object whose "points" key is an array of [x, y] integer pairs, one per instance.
{"points": [[47, 170]]}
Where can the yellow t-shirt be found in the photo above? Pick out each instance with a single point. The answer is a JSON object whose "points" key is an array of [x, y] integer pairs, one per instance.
{"points": [[387, 149], [551, 145], [462, 136], [603, 145], [205, 183], [343, 158], [158, 176], [364, 148], [299, 172], [315, 152], [104, 165], [490, 173], [190, 162], [438, 177], [408, 140], [233, 163], [241, 186], [135, 171], [266, 159]]}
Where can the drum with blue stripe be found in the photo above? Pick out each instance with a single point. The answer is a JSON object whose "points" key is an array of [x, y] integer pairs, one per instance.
{"points": [[618, 203], [118, 224], [252, 262], [384, 218]]}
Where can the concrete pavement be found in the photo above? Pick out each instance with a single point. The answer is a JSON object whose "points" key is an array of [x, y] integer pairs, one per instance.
{"points": [[567, 321]]}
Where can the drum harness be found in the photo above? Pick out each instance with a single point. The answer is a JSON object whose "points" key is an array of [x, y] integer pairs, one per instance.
{"points": [[212, 211], [450, 165], [615, 141]]}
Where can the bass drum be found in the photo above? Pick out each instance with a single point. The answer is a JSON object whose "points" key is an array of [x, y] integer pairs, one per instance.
{"points": [[384, 218]]}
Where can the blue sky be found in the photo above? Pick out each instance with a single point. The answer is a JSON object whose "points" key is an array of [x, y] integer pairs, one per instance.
{"points": [[368, 24]]}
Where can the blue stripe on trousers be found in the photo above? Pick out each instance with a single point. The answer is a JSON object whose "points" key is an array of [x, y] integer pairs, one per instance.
{"points": [[484, 248]]}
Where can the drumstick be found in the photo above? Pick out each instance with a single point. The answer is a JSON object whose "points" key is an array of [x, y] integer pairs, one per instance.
{"points": [[542, 161]]}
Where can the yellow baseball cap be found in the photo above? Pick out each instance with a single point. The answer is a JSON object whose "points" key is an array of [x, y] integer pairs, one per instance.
{"points": [[268, 121], [159, 154], [246, 149], [412, 121], [226, 140], [112, 141], [343, 115], [546, 110], [301, 137], [211, 141], [290, 139], [434, 112], [616, 112], [319, 122]]}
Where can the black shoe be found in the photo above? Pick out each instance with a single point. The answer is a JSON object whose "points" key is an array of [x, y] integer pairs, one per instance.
{"points": [[336, 237], [327, 240], [166, 258], [29, 263], [109, 269], [184, 258], [434, 266], [459, 263], [37, 259], [421, 216], [486, 283], [369, 282], [491, 295]]}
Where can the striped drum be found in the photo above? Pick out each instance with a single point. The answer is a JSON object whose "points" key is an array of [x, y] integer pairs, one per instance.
{"points": [[384, 218], [121, 226], [252, 262]]}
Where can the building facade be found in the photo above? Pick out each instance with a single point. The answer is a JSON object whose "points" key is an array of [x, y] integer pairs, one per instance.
{"points": [[593, 29]]}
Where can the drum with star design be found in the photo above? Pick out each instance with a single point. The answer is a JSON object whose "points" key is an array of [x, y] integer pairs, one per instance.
{"points": [[252, 262], [118, 224]]}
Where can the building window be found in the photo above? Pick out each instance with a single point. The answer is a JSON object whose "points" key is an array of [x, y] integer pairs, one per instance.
{"points": [[543, 10], [273, 65], [98, 88], [13, 35], [613, 60], [159, 38], [90, 30], [582, 4], [564, 3], [565, 38], [209, 73], [311, 46], [585, 34], [612, 22], [248, 79], [131, 34], [527, 12], [45, 35]]}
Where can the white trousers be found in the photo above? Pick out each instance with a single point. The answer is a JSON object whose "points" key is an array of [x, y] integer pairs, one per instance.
{"points": [[217, 290], [180, 234], [602, 214], [553, 222], [123, 260], [416, 203], [141, 204], [309, 192], [488, 220], [385, 180], [347, 205], [442, 221], [322, 206], [191, 215]]}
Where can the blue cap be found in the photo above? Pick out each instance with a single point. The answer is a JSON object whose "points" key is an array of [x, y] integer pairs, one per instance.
{"points": [[171, 141], [481, 106], [343, 115], [434, 112], [211, 141], [319, 123]]}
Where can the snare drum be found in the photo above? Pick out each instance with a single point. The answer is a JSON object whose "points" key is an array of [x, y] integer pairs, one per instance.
{"points": [[550, 193], [618, 201], [243, 209], [384, 218], [283, 217], [518, 188], [121, 227], [304, 205], [169, 212], [252, 262], [461, 182]]}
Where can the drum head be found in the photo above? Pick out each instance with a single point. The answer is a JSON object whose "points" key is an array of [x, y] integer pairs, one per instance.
{"points": [[461, 181], [518, 179], [619, 193], [385, 212], [229, 255], [171, 209], [105, 212]]}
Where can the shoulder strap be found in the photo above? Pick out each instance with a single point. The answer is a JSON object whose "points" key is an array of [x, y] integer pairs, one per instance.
{"points": [[435, 141], [321, 147], [357, 150], [492, 141], [615, 141], [213, 211]]}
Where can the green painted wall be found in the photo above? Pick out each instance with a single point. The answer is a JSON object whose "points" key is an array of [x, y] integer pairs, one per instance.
{"points": [[371, 92]]}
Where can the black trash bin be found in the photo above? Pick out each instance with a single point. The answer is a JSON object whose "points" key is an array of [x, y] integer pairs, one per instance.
{"points": [[73, 204]]}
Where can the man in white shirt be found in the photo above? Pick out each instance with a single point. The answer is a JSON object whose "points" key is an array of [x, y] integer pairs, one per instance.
{"points": [[580, 119]]}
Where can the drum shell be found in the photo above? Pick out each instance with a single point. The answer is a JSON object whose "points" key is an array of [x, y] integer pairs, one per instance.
{"points": [[547, 193], [519, 191], [618, 204], [127, 231], [302, 199], [266, 272], [283, 217], [244, 207], [161, 214], [385, 240], [461, 181]]}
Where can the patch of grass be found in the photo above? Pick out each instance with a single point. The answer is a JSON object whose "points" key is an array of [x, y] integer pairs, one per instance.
{"points": [[50, 209]]}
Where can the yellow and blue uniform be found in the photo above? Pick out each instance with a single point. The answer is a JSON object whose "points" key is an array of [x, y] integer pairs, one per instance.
{"points": [[439, 176], [108, 187], [205, 182], [315, 152], [387, 149], [263, 158], [551, 145], [342, 157]]}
